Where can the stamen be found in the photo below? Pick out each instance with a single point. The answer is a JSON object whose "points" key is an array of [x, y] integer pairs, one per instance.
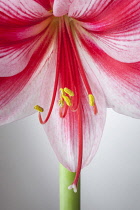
{"points": [[81, 70], [63, 111], [67, 100], [62, 91], [68, 91], [64, 97], [38, 108], [55, 82], [91, 100], [95, 109]]}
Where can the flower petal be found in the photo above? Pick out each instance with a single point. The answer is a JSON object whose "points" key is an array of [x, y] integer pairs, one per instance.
{"points": [[63, 132], [61, 7], [22, 104], [123, 46], [22, 11], [20, 93], [117, 30], [87, 8], [47, 4], [120, 81], [20, 36]]}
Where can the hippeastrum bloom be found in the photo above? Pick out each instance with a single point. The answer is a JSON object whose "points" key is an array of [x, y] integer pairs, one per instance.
{"points": [[72, 59]]}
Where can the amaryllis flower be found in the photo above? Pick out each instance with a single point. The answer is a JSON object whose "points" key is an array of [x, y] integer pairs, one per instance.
{"points": [[72, 59]]}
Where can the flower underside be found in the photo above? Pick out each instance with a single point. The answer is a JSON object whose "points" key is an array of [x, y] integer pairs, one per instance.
{"points": [[70, 81]]}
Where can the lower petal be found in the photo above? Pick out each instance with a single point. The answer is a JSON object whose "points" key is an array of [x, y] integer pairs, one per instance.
{"points": [[63, 132]]}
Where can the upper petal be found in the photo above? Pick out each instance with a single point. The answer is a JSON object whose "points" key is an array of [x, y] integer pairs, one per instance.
{"points": [[21, 11], [21, 34], [47, 4], [116, 30], [63, 132], [61, 7], [87, 8]]}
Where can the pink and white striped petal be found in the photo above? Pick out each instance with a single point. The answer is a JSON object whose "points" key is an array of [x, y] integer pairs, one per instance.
{"points": [[120, 81], [20, 35], [123, 46], [117, 30], [87, 8], [61, 7], [19, 96], [22, 11], [63, 132]]}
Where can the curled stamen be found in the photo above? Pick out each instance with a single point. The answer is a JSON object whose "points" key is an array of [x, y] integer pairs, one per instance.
{"points": [[63, 112]]}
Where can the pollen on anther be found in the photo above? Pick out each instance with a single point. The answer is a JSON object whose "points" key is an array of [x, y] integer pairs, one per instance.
{"points": [[91, 100], [68, 91], [67, 100], [38, 108], [62, 91]]}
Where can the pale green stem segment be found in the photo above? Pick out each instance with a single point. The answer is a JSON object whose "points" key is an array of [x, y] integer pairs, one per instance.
{"points": [[69, 200]]}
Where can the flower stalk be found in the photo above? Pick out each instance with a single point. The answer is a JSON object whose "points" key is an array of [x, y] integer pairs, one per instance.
{"points": [[69, 200]]}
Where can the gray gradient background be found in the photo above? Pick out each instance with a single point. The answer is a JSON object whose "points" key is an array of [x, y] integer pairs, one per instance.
{"points": [[29, 168]]}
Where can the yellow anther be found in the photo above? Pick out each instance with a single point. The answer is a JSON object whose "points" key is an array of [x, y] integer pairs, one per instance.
{"points": [[61, 102], [68, 91], [39, 108], [91, 100], [67, 100], [64, 97], [62, 91]]}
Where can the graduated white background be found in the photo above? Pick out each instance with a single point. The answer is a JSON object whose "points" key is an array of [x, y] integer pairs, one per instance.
{"points": [[29, 168]]}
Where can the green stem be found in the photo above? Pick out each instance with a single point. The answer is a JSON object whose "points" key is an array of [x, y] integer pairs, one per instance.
{"points": [[69, 200]]}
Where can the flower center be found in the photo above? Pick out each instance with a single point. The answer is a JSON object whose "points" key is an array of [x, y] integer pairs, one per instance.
{"points": [[71, 80]]}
